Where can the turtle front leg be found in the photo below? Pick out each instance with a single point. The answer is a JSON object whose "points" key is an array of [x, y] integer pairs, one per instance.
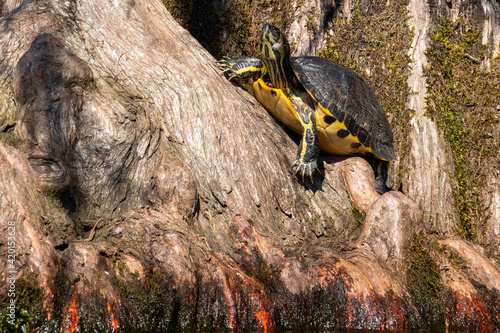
{"points": [[308, 162], [243, 68]]}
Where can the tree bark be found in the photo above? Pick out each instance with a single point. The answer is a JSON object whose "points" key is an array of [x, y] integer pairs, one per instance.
{"points": [[114, 117]]}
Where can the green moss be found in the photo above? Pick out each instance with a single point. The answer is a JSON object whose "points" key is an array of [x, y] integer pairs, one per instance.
{"points": [[230, 28], [453, 257], [462, 99], [29, 310], [374, 43], [423, 282], [7, 132], [221, 28], [180, 10], [264, 272], [156, 302], [359, 216]]}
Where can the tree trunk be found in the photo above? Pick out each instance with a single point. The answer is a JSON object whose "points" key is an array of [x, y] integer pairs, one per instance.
{"points": [[148, 193]]}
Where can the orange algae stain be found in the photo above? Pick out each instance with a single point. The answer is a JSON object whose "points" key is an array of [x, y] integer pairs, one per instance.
{"points": [[232, 313], [74, 317], [232, 320], [263, 317], [402, 321], [485, 320], [113, 324], [469, 311], [228, 300], [349, 307]]}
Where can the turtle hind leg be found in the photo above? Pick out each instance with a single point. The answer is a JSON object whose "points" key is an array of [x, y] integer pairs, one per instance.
{"points": [[380, 168], [308, 163]]}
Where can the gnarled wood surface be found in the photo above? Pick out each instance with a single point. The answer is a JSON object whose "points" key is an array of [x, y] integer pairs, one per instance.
{"points": [[111, 113]]}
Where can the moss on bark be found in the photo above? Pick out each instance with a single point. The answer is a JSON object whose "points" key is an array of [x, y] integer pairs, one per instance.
{"points": [[423, 281], [231, 27], [462, 98], [29, 308]]}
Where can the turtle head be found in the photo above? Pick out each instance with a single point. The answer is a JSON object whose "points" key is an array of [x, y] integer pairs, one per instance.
{"points": [[275, 52], [274, 43]]}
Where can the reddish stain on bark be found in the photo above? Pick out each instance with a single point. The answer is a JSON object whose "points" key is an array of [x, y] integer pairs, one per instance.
{"points": [[113, 323], [466, 311], [262, 316], [74, 317]]}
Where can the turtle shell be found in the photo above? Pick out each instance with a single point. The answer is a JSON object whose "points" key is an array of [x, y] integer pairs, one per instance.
{"points": [[349, 99]]}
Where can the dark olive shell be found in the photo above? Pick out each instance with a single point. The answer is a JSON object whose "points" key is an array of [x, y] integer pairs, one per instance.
{"points": [[349, 99]]}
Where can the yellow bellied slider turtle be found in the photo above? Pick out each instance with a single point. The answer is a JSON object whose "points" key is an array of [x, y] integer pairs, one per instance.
{"points": [[328, 104]]}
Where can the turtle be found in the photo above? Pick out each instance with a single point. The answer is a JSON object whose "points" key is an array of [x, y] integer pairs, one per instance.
{"points": [[329, 105]]}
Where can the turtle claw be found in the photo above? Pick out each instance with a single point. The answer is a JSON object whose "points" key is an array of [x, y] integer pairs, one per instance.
{"points": [[306, 171], [227, 68], [224, 64]]}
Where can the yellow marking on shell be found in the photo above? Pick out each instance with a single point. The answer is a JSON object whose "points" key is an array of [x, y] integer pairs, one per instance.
{"points": [[330, 142], [276, 102], [281, 107]]}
